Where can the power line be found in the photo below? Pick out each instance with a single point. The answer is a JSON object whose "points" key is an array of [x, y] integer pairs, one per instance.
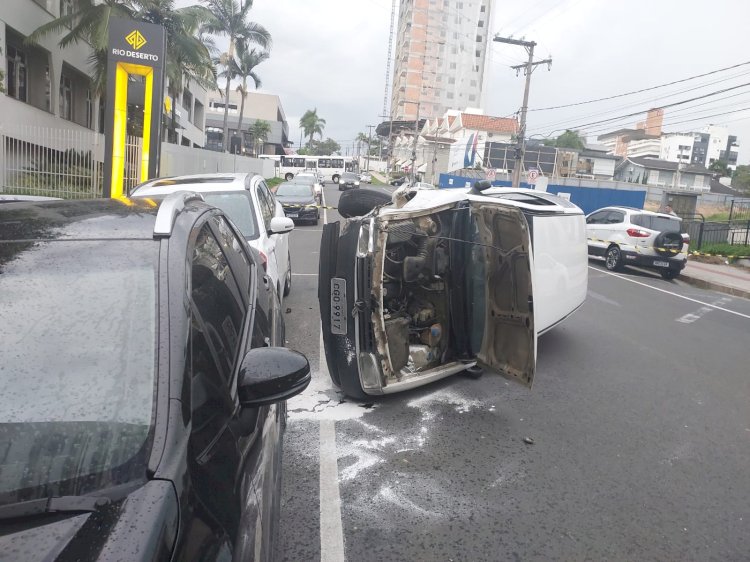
{"points": [[642, 90], [637, 113], [639, 103]]}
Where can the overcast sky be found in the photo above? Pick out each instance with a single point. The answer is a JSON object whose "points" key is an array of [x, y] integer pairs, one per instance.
{"points": [[331, 55]]}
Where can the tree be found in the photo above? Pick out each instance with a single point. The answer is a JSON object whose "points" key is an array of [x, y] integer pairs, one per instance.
{"points": [[321, 148], [741, 178], [259, 131], [311, 124], [720, 167], [246, 62], [229, 18], [570, 139], [188, 56], [362, 138]]}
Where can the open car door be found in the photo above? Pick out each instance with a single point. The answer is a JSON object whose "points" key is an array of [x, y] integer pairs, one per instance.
{"points": [[498, 291]]}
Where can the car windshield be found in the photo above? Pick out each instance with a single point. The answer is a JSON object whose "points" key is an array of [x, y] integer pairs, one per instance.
{"points": [[238, 206], [77, 365], [293, 190]]}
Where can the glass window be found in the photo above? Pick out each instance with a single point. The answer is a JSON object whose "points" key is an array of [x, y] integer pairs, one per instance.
{"points": [[615, 217], [324, 163], [337, 162], [597, 218], [239, 207], [219, 309], [232, 247], [66, 98], [77, 365], [15, 59], [265, 208]]}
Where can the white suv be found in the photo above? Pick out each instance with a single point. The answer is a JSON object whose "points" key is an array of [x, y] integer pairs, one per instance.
{"points": [[629, 236], [250, 204]]}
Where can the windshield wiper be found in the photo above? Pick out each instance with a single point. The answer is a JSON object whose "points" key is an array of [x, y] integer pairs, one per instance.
{"points": [[55, 504]]}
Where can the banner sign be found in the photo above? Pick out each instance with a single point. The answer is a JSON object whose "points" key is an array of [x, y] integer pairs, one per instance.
{"points": [[135, 48]]}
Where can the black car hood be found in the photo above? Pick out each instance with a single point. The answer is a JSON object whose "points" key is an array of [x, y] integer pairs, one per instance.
{"points": [[142, 526], [296, 200]]}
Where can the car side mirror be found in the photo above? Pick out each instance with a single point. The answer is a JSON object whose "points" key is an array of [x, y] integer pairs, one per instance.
{"points": [[271, 374], [480, 186], [281, 225]]}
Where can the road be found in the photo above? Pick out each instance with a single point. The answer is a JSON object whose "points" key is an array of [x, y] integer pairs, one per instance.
{"points": [[639, 417]]}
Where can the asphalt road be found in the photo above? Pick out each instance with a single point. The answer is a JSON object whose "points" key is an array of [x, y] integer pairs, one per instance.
{"points": [[640, 420]]}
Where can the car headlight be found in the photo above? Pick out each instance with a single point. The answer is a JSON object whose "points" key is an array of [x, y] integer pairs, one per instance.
{"points": [[356, 183]]}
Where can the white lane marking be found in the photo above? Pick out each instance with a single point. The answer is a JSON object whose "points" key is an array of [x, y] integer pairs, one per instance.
{"points": [[693, 316], [698, 314], [602, 298], [331, 528], [670, 293]]}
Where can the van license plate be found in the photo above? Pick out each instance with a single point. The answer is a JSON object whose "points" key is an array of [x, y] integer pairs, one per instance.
{"points": [[338, 306], [292, 215], [661, 263]]}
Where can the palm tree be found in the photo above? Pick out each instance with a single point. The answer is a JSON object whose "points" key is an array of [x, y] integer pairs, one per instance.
{"points": [[362, 138], [228, 17], [188, 56], [312, 124], [246, 62], [260, 131]]}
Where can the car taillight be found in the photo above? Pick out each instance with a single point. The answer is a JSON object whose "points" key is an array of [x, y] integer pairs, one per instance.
{"points": [[264, 261], [685, 238], [637, 233]]}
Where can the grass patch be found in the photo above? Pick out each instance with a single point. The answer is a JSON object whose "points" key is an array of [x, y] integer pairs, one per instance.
{"points": [[273, 182], [737, 250], [376, 181]]}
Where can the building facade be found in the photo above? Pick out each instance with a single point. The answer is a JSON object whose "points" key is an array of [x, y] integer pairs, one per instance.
{"points": [[661, 173], [258, 107], [441, 49], [48, 87]]}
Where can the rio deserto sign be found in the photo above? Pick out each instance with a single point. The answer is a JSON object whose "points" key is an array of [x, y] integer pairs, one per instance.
{"points": [[139, 49]]}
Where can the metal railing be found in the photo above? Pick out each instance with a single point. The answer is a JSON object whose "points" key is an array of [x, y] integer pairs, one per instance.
{"points": [[59, 162], [702, 232]]}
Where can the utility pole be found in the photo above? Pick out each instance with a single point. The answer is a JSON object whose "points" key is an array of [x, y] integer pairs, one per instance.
{"points": [[369, 142], [528, 69]]}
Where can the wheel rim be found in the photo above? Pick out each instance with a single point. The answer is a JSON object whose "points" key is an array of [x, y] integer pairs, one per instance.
{"points": [[613, 256]]}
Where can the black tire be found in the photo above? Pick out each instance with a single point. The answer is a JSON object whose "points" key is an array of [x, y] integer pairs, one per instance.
{"points": [[327, 270], [668, 244], [289, 176], [474, 372], [288, 280], [670, 274], [361, 201], [335, 178], [613, 258]]}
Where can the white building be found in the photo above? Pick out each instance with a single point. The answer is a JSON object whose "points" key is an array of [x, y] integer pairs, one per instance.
{"points": [[676, 147]]}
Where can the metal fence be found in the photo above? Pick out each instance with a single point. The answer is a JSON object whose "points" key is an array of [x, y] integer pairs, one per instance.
{"points": [[740, 209], [66, 163], [703, 233]]}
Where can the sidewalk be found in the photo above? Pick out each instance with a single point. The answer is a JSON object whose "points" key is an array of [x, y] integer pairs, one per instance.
{"points": [[718, 277]]}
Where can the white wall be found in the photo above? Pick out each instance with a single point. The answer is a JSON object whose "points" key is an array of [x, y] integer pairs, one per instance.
{"points": [[178, 160], [670, 148]]}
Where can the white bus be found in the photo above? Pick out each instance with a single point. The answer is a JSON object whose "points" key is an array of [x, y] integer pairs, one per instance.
{"points": [[330, 166]]}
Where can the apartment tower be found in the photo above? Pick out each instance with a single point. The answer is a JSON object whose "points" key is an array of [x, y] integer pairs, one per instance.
{"points": [[441, 48]]}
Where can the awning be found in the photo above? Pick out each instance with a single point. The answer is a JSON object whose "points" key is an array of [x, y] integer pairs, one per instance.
{"points": [[422, 168]]}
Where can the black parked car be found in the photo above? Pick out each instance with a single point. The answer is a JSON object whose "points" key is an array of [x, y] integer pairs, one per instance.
{"points": [[299, 201], [398, 181], [142, 404], [348, 180]]}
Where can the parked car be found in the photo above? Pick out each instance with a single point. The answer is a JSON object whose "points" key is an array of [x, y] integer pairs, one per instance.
{"points": [[143, 398], [439, 282], [8, 198], [399, 181], [311, 180], [248, 202], [628, 236], [348, 180], [365, 177], [299, 201]]}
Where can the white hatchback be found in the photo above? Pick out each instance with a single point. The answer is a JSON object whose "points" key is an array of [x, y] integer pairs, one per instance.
{"points": [[250, 204]]}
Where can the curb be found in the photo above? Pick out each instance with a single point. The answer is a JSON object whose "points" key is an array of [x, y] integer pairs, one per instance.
{"points": [[710, 285]]}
